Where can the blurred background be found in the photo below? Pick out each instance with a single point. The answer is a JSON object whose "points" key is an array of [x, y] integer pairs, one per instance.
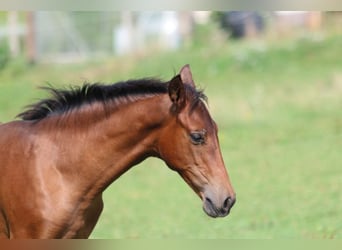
{"points": [[67, 37], [274, 83]]}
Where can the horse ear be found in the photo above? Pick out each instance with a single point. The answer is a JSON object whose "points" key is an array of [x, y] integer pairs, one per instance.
{"points": [[186, 75], [177, 93]]}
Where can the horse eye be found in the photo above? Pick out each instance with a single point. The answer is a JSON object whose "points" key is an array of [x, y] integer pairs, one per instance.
{"points": [[198, 137]]}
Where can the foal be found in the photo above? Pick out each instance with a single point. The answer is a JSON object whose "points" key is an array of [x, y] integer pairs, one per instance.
{"points": [[56, 162]]}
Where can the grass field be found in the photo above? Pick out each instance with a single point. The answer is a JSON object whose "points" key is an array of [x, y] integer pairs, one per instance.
{"points": [[279, 111]]}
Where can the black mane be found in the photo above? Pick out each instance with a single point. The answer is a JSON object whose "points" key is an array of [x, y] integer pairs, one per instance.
{"points": [[63, 100]]}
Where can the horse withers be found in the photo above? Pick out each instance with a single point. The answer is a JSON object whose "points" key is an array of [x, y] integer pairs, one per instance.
{"points": [[56, 161]]}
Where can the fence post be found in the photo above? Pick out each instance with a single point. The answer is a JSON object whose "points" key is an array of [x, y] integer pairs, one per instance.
{"points": [[13, 33], [30, 41]]}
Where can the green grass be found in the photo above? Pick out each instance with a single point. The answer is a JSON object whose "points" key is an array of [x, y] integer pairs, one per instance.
{"points": [[279, 110]]}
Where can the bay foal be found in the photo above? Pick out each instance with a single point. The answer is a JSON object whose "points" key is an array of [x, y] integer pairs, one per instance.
{"points": [[56, 162]]}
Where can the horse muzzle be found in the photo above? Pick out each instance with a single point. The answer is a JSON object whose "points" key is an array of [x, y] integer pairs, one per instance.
{"points": [[218, 209]]}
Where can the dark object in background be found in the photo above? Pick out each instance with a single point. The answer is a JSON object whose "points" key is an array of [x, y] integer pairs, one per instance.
{"points": [[241, 23]]}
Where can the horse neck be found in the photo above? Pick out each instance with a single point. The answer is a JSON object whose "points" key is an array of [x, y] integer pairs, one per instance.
{"points": [[105, 149]]}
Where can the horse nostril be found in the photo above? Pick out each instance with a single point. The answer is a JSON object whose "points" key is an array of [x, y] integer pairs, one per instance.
{"points": [[209, 200], [226, 203]]}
